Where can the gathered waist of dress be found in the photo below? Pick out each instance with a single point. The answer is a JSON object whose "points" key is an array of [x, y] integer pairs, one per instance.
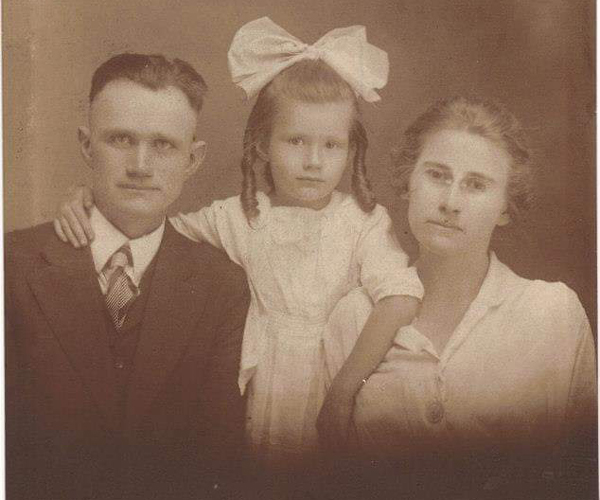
{"points": [[297, 326]]}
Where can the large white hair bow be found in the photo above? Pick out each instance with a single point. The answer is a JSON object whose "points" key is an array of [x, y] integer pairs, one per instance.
{"points": [[261, 49]]}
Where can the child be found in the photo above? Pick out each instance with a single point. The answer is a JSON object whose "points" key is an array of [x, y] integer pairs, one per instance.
{"points": [[303, 244]]}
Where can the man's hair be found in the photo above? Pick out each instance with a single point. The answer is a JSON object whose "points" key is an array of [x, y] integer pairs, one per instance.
{"points": [[154, 72]]}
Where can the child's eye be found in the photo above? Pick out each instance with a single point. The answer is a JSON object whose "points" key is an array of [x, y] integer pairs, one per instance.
{"points": [[121, 140], [476, 185], [163, 144], [296, 141]]}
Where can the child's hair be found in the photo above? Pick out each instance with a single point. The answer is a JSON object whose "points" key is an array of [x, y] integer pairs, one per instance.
{"points": [[310, 81], [154, 72], [486, 119]]}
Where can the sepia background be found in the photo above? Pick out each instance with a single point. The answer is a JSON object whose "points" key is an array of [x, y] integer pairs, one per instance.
{"points": [[536, 56]]}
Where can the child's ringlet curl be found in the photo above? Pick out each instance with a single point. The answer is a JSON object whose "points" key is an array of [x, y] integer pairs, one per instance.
{"points": [[311, 81], [484, 118]]}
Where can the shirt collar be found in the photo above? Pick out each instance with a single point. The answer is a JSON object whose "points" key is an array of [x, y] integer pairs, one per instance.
{"points": [[499, 284], [109, 239]]}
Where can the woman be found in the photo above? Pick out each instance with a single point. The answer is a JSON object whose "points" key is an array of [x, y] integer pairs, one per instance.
{"points": [[497, 372]]}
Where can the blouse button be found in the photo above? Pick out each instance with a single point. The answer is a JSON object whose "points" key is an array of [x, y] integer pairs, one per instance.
{"points": [[435, 412]]}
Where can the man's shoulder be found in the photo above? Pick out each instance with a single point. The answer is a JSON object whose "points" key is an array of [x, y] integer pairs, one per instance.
{"points": [[209, 257], [28, 242]]}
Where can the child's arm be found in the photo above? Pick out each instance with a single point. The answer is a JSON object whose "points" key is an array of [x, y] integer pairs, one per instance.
{"points": [[396, 290], [221, 224], [375, 340]]}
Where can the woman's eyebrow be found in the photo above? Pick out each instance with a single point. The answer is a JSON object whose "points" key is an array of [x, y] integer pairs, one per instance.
{"points": [[436, 164]]}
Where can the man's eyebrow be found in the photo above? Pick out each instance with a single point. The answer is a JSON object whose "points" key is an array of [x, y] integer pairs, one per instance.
{"points": [[165, 137]]}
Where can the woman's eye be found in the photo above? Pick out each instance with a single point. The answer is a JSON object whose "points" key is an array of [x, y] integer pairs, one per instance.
{"points": [[296, 141], [435, 174], [331, 145], [162, 144]]}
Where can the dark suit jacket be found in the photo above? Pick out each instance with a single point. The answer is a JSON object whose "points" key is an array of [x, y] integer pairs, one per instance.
{"points": [[184, 415]]}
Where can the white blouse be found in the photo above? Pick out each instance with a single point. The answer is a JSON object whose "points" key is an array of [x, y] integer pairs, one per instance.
{"points": [[518, 369]]}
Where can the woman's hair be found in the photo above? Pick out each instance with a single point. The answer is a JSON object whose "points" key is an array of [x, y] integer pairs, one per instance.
{"points": [[310, 81], [486, 119]]}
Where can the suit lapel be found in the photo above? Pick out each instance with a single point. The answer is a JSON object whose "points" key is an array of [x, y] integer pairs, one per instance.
{"points": [[176, 300], [69, 296]]}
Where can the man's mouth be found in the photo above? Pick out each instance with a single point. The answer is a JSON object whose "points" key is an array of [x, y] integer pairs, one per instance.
{"points": [[137, 187], [309, 179]]}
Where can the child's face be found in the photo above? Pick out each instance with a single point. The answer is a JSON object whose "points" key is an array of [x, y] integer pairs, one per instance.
{"points": [[308, 151], [457, 193]]}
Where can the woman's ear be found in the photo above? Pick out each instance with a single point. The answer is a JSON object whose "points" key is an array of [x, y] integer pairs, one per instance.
{"points": [[85, 145]]}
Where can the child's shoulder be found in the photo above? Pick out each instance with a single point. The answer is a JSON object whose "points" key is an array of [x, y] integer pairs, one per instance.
{"points": [[351, 212]]}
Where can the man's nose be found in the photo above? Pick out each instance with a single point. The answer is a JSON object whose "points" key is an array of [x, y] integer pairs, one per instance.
{"points": [[140, 163], [451, 200]]}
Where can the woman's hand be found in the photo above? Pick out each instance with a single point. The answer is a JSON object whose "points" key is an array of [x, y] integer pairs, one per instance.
{"points": [[335, 418], [72, 223]]}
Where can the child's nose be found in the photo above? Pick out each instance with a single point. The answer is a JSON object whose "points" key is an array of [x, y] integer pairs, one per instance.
{"points": [[313, 157]]}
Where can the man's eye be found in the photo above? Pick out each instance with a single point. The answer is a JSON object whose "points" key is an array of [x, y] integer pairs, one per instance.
{"points": [[332, 145], [163, 145], [121, 140], [296, 141]]}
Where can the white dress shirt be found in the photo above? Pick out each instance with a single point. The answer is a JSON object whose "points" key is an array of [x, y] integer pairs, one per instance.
{"points": [[109, 239]]}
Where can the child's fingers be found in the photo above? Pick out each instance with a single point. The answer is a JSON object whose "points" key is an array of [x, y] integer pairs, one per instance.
{"points": [[59, 231], [88, 198], [75, 226], [84, 220], [67, 229]]}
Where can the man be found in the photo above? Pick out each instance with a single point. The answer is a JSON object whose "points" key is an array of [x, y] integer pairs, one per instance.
{"points": [[122, 358]]}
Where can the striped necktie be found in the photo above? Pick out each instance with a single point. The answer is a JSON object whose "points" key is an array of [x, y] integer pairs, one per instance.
{"points": [[121, 291]]}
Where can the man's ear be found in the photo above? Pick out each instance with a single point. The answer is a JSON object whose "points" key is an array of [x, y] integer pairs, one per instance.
{"points": [[197, 155], [84, 136]]}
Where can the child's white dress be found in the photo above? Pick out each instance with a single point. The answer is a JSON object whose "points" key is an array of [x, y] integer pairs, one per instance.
{"points": [[299, 263]]}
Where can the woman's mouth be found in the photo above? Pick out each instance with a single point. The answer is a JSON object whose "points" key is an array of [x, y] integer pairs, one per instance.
{"points": [[445, 224]]}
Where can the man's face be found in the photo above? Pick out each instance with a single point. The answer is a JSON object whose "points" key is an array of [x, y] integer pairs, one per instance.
{"points": [[140, 146]]}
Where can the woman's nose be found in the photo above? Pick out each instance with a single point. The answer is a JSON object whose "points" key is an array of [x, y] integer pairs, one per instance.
{"points": [[451, 199]]}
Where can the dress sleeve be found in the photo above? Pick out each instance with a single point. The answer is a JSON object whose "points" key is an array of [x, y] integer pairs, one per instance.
{"points": [[383, 263], [222, 224]]}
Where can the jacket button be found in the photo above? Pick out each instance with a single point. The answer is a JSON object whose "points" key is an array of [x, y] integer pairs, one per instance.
{"points": [[435, 412], [119, 365]]}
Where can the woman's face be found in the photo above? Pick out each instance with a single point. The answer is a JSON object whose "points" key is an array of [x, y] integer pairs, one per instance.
{"points": [[457, 193]]}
